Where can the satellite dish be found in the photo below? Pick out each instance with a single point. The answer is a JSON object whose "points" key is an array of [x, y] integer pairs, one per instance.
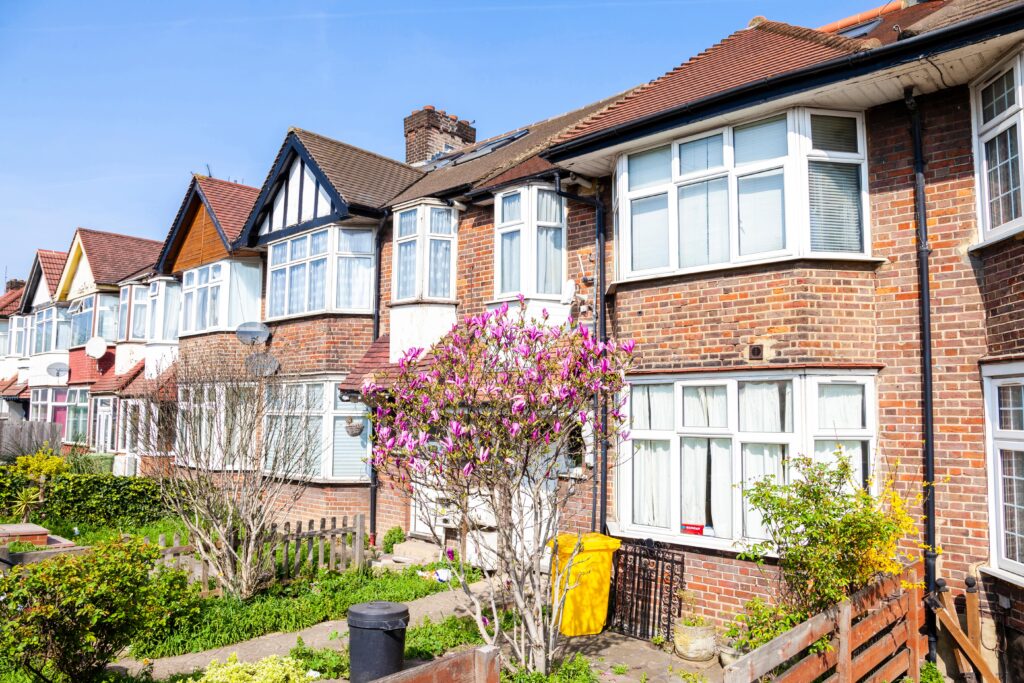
{"points": [[252, 333], [261, 364], [96, 347], [57, 369], [568, 292]]}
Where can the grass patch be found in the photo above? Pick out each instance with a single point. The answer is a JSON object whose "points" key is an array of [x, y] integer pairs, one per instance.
{"points": [[91, 534], [284, 608]]}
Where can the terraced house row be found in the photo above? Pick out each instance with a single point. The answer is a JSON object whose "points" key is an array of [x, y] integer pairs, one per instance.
{"points": [[814, 236]]}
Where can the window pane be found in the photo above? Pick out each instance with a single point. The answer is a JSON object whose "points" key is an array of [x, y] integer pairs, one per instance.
{"points": [[297, 288], [857, 451], [354, 282], [510, 257], [649, 238], [317, 285], [214, 306], [766, 406], [204, 276], [440, 272], [834, 133], [841, 406], [278, 255], [356, 241], [407, 223], [511, 208], [652, 406], [1013, 503], [406, 270], [314, 397], [318, 243], [202, 296], [172, 296], [440, 221], [186, 309], [998, 96], [651, 483], [706, 491], [705, 407], [122, 315], [762, 213], [215, 272], [650, 168], [549, 260], [760, 460], [1011, 407], [700, 155], [549, 207], [348, 454], [277, 292], [761, 140], [836, 222], [298, 248], [1002, 171], [190, 277], [704, 223], [106, 316]]}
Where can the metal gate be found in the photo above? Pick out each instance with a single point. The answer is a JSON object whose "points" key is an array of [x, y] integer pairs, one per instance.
{"points": [[647, 577]]}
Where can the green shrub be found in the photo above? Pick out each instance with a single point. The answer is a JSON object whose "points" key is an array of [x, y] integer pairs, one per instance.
{"points": [[11, 484], [326, 661], [104, 499], [761, 623], [430, 640], [393, 536], [272, 669], [71, 615], [575, 670], [42, 463], [930, 673]]}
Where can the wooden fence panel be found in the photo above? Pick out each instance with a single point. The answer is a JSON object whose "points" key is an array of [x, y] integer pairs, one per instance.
{"points": [[23, 437]]}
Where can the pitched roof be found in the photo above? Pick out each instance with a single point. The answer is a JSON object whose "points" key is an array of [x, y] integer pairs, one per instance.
{"points": [[888, 18], [229, 202], [10, 301], [764, 50], [52, 264], [113, 257], [111, 383], [15, 390], [956, 11], [482, 170], [359, 176], [376, 359]]}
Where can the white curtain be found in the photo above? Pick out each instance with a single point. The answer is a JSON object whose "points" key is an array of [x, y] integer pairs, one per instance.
{"points": [[707, 468], [407, 223], [354, 282], [704, 223], [549, 260], [355, 242], [297, 288], [318, 243], [840, 406], [511, 208], [277, 294], [407, 269], [759, 460], [705, 407], [440, 221], [214, 305], [651, 485], [766, 406], [202, 296], [825, 451], [651, 406], [172, 297], [549, 207], [510, 248], [317, 284], [649, 232], [762, 212], [440, 271]]}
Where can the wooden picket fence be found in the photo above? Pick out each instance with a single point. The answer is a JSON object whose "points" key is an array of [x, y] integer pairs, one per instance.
{"points": [[23, 437], [326, 545], [875, 637]]}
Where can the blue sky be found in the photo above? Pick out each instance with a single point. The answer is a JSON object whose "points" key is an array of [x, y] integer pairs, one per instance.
{"points": [[108, 107]]}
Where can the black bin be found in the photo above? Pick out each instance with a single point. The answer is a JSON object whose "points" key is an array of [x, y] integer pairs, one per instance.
{"points": [[376, 639]]}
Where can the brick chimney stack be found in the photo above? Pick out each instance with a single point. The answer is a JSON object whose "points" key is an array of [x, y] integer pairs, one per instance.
{"points": [[13, 285], [429, 133]]}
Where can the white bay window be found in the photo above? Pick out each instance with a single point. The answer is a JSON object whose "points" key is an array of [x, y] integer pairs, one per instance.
{"points": [[51, 330], [1004, 412], [998, 124], [18, 342], [94, 315], [425, 253], [215, 297], [530, 252], [698, 445], [784, 186]]}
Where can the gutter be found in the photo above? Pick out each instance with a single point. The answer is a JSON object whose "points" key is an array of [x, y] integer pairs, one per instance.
{"points": [[901, 52], [600, 405], [927, 405]]}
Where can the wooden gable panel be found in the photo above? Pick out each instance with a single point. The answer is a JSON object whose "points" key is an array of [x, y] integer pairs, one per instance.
{"points": [[199, 243]]}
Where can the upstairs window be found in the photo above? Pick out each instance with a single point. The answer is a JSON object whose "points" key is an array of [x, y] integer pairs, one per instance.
{"points": [[5, 332], [18, 343], [999, 120], [201, 307], [530, 253], [95, 315], [51, 330], [425, 253], [132, 314], [786, 185], [162, 301], [219, 296]]}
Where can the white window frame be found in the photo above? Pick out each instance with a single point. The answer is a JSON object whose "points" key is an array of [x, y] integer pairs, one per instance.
{"points": [[422, 238], [800, 441], [983, 132], [20, 333], [796, 194], [58, 318], [993, 377], [158, 311], [91, 303], [332, 254], [77, 399], [190, 287], [527, 226]]}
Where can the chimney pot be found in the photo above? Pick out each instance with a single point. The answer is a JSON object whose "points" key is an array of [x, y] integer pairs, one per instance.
{"points": [[429, 133], [14, 284]]}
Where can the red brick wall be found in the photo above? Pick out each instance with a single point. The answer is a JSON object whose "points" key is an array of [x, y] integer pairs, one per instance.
{"points": [[1002, 265]]}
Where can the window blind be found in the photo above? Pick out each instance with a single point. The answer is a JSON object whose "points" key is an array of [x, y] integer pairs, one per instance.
{"points": [[836, 220]]}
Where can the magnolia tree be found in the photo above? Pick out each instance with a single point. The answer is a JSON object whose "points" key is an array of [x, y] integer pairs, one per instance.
{"points": [[485, 429]]}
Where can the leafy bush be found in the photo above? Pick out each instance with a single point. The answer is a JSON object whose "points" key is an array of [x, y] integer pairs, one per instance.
{"points": [[832, 537], [71, 615], [42, 463], [430, 640], [11, 484], [104, 499], [326, 661], [223, 621], [761, 623], [575, 670], [272, 669], [930, 673], [393, 536]]}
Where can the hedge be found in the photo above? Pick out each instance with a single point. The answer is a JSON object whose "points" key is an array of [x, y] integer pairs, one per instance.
{"points": [[100, 499]]}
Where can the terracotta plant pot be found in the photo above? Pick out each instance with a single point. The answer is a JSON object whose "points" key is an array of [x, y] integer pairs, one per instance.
{"points": [[695, 643]]}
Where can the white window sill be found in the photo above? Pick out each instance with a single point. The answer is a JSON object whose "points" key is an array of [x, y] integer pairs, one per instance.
{"points": [[718, 267], [555, 299], [691, 540], [424, 301], [997, 237], [1003, 575], [311, 314], [198, 333]]}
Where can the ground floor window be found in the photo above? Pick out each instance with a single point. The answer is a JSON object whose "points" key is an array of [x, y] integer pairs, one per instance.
{"points": [[698, 444], [104, 424], [68, 408], [77, 429], [1004, 394]]}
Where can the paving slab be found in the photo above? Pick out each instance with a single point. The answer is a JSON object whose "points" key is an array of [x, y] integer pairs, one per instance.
{"points": [[638, 660]]}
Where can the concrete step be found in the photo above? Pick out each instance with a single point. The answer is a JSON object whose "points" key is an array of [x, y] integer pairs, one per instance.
{"points": [[415, 551]]}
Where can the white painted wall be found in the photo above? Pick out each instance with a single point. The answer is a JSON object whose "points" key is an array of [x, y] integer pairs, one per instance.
{"points": [[159, 357], [127, 355], [37, 375], [419, 325], [41, 296], [82, 282]]}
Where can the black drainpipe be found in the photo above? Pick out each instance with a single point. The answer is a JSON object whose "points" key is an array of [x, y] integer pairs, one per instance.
{"points": [[602, 334], [374, 484], [928, 417]]}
